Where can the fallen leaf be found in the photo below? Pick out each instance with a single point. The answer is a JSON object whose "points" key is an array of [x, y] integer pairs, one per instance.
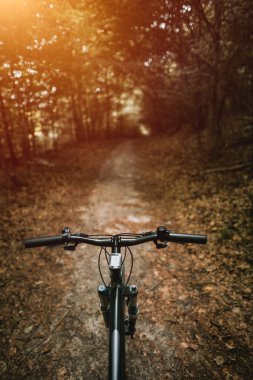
{"points": [[236, 310], [211, 268], [61, 372], [193, 346], [219, 360], [28, 329], [209, 288], [244, 266], [182, 297], [230, 345], [3, 366], [201, 310], [12, 351]]}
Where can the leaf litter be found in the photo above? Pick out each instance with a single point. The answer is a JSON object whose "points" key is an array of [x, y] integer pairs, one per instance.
{"points": [[197, 300]]}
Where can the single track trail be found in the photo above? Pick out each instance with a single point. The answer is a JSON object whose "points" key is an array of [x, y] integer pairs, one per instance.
{"points": [[113, 206], [195, 301]]}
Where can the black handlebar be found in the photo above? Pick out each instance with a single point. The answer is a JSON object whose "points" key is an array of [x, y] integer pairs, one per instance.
{"points": [[47, 241], [187, 238], [162, 235]]}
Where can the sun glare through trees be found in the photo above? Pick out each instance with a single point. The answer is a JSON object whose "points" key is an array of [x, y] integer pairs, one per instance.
{"points": [[76, 70]]}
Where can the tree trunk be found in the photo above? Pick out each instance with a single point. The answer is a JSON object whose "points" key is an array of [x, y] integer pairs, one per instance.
{"points": [[215, 111], [107, 109], [9, 138], [23, 124], [79, 135]]}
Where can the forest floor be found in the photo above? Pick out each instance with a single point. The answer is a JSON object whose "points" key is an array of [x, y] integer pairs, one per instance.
{"points": [[195, 319]]}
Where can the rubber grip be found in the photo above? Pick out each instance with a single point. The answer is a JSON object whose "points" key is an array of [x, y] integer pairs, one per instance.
{"points": [[187, 238], [46, 241]]}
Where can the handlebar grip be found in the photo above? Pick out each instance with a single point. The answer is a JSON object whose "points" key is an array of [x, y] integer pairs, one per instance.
{"points": [[186, 238], [44, 241]]}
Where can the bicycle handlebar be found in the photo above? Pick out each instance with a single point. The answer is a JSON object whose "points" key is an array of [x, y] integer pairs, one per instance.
{"points": [[162, 234], [46, 241], [187, 238]]}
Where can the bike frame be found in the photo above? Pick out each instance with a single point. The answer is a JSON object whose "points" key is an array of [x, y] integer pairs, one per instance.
{"points": [[116, 365]]}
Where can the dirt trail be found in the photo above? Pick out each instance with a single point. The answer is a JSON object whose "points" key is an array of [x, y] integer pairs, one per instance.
{"points": [[114, 206], [195, 302]]}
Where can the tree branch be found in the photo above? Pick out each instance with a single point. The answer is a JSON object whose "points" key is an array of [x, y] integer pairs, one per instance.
{"points": [[45, 339], [201, 12], [233, 167]]}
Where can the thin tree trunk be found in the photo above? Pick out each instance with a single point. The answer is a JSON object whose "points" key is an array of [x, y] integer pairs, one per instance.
{"points": [[9, 138], [77, 121], [107, 109]]}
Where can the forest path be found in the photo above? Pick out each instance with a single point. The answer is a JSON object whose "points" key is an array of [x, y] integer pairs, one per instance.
{"points": [[195, 301], [113, 206]]}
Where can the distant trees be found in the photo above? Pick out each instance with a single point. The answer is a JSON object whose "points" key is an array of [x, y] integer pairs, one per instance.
{"points": [[70, 70], [210, 58], [224, 27]]}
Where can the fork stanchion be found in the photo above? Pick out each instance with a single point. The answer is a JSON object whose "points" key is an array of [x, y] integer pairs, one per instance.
{"points": [[131, 293], [104, 297]]}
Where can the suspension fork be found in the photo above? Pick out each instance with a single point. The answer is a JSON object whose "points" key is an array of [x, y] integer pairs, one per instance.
{"points": [[104, 297], [131, 293]]}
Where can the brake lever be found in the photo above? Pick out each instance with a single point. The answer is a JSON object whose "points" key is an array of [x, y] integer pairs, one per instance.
{"points": [[70, 247], [160, 245], [66, 235]]}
